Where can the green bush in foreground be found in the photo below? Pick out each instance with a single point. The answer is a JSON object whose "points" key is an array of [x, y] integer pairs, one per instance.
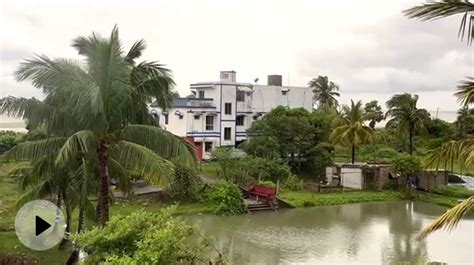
{"points": [[226, 199], [185, 184], [145, 238]]}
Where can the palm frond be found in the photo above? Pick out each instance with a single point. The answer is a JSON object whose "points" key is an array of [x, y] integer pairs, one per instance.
{"points": [[164, 143], [120, 173], [35, 150], [445, 8], [449, 219], [37, 192], [465, 93], [143, 162], [135, 51], [80, 143]]}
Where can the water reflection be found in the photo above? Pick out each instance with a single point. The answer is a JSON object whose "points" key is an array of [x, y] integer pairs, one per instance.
{"points": [[378, 233]]}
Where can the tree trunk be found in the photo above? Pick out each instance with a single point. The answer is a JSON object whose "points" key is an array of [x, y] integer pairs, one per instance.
{"points": [[353, 153], [410, 139], [58, 211], [103, 200], [67, 205]]}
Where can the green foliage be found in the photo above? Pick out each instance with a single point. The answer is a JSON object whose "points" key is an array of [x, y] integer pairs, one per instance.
{"points": [[453, 191], [8, 140], [373, 113], [406, 165], [406, 118], [266, 183], [143, 238], [465, 122], [185, 184], [290, 134], [245, 171], [292, 183], [351, 130], [307, 198], [226, 199], [224, 156], [324, 92], [262, 146]]}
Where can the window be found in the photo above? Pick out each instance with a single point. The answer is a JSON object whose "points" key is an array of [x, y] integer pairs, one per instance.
{"points": [[284, 93], [166, 118], [240, 96], [209, 123], [227, 132], [196, 117], [207, 146], [201, 93], [228, 108], [239, 121]]}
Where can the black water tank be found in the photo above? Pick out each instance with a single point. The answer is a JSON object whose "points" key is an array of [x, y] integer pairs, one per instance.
{"points": [[274, 80]]}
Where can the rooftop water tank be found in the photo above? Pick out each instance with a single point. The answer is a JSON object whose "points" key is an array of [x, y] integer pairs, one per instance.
{"points": [[274, 80]]}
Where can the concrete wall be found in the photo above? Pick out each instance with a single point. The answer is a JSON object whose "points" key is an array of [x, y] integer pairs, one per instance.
{"points": [[351, 178]]}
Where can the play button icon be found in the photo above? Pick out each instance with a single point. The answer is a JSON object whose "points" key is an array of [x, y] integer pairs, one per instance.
{"points": [[40, 225]]}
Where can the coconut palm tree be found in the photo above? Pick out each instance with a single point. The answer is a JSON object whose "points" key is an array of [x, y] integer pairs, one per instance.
{"points": [[325, 91], [98, 108], [448, 153], [373, 113], [352, 131], [462, 151], [465, 93], [405, 116], [441, 9], [445, 8]]}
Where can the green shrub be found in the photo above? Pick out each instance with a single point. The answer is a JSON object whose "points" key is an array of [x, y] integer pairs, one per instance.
{"points": [[267, 183], [292, 183], [9, 139], [263, 169], [143, 238], [226, 199], [185, 184]]}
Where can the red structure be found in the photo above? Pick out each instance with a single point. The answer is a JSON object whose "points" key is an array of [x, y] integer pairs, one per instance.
{"points": [[262, 191], [197, 147]]}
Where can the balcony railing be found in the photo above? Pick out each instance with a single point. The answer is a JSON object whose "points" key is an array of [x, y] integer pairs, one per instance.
{"points": [[201, 102]]}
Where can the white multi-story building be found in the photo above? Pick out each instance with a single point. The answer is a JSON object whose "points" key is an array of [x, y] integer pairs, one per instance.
{"points": [[220, 112]]}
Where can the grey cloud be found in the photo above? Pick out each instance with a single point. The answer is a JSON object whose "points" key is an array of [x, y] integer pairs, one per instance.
{"points": [[395, 55]]}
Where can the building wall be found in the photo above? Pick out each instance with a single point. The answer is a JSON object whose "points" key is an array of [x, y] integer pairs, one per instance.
{"points": [[351, 178], [259, 100]]}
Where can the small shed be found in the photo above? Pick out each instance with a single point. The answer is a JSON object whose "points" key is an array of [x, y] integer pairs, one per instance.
{"points": [[430, 179], [360, 176]]}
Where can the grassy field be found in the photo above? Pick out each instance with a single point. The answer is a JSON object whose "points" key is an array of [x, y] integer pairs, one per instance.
{"points": [[309, 198]]}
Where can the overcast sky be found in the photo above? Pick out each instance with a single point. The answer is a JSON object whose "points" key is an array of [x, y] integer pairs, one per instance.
{"points": [[368, 47]]}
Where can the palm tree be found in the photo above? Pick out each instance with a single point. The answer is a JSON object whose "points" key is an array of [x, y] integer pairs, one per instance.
{"points": [[405, 116], [373, 113], [448, 153], [98, 108], [462, 151], [352, 131], [465, 93], [445, 8], [325, 91]]}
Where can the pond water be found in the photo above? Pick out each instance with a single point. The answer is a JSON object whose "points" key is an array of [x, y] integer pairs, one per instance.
{"points": [[362, 233]]}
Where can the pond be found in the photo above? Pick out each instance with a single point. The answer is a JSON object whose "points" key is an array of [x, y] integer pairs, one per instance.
{"points": [[375, 233]]}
